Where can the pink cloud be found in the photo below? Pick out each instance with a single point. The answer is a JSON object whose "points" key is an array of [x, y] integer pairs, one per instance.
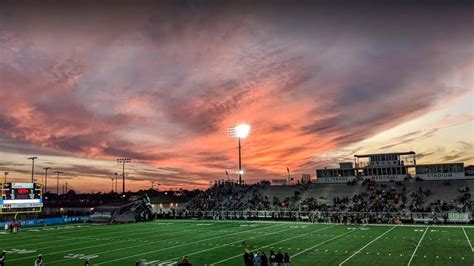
{"points": [[162, 84]]}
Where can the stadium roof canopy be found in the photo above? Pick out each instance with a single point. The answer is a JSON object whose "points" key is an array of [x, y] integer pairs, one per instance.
{"points": [[399, 153]]}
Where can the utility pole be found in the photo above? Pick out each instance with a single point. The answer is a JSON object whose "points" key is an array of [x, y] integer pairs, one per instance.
{"points": [[116, 178], [5, 181], [289, 176], [112, 185], [66, 187], [123, 161], [46, 178], [57, 181], [32, 167], [240, 164]]}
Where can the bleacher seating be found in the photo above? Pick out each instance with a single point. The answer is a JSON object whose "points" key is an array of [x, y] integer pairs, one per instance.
{"points": [[400, 199]]}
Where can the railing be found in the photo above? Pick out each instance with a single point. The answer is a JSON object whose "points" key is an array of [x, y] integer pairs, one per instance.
{"points": [[380, 217]]}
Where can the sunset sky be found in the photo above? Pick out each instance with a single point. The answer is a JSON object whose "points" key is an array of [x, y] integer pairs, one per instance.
{"points": [[161, 81]]}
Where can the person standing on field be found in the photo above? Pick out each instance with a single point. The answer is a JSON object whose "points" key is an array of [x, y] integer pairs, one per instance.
{"points": [[39, 261], [248, 259], [2, 259], [264, 259]]}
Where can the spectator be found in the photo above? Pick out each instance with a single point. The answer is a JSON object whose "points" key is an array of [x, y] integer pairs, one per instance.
{"points": [[279, 258], [2, 259], [286, 259], [273, 261], [256, 260], [264, 259], [248, 260], [39, 261]]}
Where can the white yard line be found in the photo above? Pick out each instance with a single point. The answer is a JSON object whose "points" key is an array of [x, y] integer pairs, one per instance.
{"points": [[322, 243], [468, 241], [366, 245], [417, 246], [171, 247], [115, 241], [224, 260], [93, 246], [238, 241], [62, 232]]}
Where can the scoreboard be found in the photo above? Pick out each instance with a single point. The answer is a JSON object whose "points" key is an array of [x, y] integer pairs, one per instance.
{"points": [[21, 198]]}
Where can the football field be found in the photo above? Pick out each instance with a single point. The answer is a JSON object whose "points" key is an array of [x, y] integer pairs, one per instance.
{"points": [[164, 242]]}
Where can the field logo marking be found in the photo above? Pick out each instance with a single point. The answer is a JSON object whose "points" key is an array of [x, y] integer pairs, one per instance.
{"points": [[19, 251], [367, 245], [468, 241], [417, 246], [80, 256], [144, 262]]}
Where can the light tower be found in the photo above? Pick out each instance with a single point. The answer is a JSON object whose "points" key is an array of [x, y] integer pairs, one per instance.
{"points": [[32, 167], [240, 132], [123, 161], [57, 181], [46, 178], [116, 177]]}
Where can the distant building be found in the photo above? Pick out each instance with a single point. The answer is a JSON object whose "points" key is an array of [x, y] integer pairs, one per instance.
{"points": [[469, 170], [392, 167]]}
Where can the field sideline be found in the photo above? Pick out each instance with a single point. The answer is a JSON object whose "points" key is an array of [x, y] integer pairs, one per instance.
{"points": [[220, 243]]}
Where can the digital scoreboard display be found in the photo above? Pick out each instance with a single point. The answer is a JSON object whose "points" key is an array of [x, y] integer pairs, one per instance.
{"points": [[21, 197]]}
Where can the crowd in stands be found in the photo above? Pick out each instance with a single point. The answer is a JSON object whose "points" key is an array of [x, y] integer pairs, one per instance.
{"points": [[378, 203], [462, 203], [229, 195]]}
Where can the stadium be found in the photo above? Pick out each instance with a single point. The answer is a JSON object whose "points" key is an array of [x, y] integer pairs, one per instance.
{"points": [[342, 217], [236, 132]]}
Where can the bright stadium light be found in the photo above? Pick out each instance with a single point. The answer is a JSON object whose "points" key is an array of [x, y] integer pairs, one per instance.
{"points": [[240, 132]]}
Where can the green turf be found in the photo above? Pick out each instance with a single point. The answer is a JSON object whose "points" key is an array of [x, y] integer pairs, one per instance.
{"points": [[220, 243]]}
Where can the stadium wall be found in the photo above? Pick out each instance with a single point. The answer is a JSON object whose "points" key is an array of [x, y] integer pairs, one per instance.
{"points": [[48, 221]]}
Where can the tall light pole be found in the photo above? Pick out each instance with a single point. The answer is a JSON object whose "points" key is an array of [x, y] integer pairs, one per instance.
{"points": [[116, 177], [46, 179], [240, 132], [123, 161], [57, 181], [32, 167], [5, 181]]}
